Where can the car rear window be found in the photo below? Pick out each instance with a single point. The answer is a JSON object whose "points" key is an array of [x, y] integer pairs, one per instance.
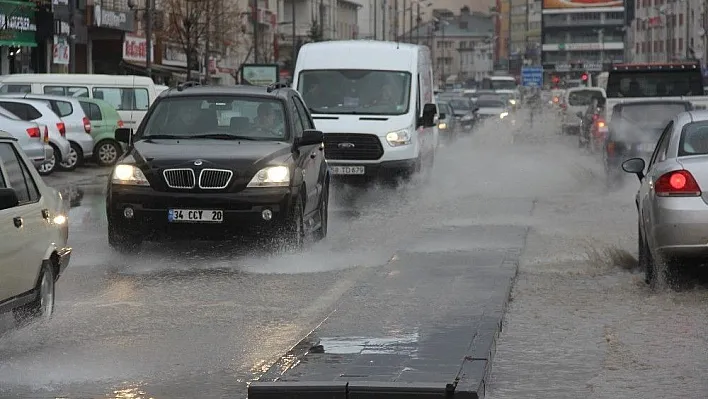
{"points": [[583, 97], [651, 114], [694, 139]]}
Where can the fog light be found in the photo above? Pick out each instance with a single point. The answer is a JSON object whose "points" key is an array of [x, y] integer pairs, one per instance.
{"points": [[128, 213], [267, 214]]}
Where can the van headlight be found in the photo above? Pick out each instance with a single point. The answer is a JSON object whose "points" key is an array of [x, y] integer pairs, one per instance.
{"points": [[271, 176], [129, 175], [442, 125], [503, 115], [399, 137]]}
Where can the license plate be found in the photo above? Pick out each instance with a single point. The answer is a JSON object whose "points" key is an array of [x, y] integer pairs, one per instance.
{"points": [[195, 216], [347, 170], [646, 147]]}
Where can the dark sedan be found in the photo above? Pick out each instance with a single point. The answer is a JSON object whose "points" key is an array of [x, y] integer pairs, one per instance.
{"points": [[217, 162]]}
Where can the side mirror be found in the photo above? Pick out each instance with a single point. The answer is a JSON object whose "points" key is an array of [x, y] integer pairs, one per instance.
{"points": [[634, 166], [8, 198], [124, 135], [428, 118], [442, 116], [310, 137]]}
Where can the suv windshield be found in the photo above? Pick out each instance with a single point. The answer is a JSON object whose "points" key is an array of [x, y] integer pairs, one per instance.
{"points": [[350, 91], [643, 83], [220, 117], [583, 97]]}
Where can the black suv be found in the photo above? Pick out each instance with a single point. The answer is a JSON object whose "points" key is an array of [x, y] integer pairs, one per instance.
{"points": [[220, 162]]}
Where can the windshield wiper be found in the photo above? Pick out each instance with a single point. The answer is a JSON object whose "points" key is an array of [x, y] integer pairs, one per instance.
{"points": [[162, 136], [222, 136]]}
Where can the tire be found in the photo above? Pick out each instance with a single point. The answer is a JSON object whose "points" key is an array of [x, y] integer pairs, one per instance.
{"points": [[123, 242], [321, 232], [42, 307], [106, 152], [76, 157], [52, 165], [294, 232]]}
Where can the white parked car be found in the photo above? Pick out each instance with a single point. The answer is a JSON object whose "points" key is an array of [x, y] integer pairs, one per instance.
{"points": [[31, 137], [41, 112], [34, 228]]}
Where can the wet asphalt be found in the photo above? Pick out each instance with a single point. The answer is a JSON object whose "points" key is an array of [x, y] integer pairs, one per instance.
{"points": [[200, 319]]}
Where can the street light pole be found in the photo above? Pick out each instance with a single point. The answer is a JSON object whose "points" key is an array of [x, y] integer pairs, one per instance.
{"points": [[148, 37], [255, 31], [294, 56], [72, 37]]}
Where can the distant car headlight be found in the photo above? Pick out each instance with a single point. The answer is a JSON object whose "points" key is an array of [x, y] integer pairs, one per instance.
{"points": [[442, 125], [271, 176], [512, 102], [503, 115], [129, 175], [399, 137], [59, 219]]}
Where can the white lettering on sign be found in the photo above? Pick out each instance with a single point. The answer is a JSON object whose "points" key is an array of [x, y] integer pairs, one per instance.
{"points": [[17, 22], [114, 19], [135, 49]]}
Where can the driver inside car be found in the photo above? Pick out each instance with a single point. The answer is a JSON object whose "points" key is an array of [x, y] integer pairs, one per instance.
{"points": [[267, 121]]}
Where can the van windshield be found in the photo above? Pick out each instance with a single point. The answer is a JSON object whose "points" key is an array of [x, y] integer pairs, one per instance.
{"points": [[652, 83], [500, 84], [354, 91]]}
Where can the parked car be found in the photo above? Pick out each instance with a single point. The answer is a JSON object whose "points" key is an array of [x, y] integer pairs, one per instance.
{"points": [[31, 137], [672, 212], [34, 228], [39, 111], [447, 123], [77, 124], [104, 122]]}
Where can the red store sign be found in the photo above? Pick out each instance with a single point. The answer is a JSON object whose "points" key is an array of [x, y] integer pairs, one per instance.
{"points": [[135, 49]]}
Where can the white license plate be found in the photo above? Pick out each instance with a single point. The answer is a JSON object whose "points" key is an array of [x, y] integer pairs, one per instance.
{"points": [[195, 216], [347, 170], [646, 147]]}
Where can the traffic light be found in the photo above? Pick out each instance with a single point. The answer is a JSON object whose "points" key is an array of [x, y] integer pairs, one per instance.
{"points": [[584, 78]]}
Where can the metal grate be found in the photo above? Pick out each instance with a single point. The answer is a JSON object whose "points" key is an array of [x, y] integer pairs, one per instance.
{"points": [[182, 178], [346, 146], [215, 179]]}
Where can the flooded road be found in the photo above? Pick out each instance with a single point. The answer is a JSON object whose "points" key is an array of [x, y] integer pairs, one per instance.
{"points": [[202, 319]]}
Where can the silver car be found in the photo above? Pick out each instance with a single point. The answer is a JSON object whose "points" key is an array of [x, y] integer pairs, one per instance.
{"points": [[30, 137], [672, 208], [40, 112], [77, 125]]}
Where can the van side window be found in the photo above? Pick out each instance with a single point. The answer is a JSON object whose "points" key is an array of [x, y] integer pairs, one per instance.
{"points": [[67, 91], [24, 89], [417, 99], [123, 98]]}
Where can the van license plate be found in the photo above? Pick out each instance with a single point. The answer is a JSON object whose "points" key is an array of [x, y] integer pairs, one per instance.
{"points": [[195, 216], [347, 170]]}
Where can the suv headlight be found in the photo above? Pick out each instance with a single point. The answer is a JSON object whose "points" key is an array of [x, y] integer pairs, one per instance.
{"points": [[503, 115], [271, 176], [129, 175], [399, 137]]}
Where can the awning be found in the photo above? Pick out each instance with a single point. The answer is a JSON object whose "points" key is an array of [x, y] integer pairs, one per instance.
{"points": [[156, 69], [17, 43]]}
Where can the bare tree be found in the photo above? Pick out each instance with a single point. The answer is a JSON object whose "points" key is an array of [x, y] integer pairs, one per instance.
{"points": [[201, 25]]}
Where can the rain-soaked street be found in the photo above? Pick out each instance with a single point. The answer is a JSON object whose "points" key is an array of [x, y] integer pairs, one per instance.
{"points": [[204, 319]]}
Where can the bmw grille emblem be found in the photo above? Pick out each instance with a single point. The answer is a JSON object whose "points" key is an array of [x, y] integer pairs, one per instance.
{"points": [[345, 145], [198, 162]]}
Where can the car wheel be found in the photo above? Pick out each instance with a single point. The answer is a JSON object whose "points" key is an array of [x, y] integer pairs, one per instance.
{"points": [[51, 165], [295, 227], [42, 307], [321, 232], [123, 242], [107, 152], [76, 155]]}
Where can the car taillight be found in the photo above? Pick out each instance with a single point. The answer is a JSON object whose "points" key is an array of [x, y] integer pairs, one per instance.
{"points": [[87, 125], [679, 183], [120, 123], [62, 128], [601, 124], [34, 132], [595, 117], [610, 148]]}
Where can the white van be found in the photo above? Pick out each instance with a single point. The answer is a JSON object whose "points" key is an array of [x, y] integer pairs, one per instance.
{"points": [[374, 101], [130, 95], [499, 82]]}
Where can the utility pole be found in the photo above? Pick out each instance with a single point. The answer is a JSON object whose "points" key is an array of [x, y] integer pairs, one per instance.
{"points": [[417, 26], [322, 11], [148, 38], [207, 39], [395, 20], [376, 20], [410, 31], [255, 31], [527, 26], [383, 20], [508, 38], [72, 37], [294, 56]]}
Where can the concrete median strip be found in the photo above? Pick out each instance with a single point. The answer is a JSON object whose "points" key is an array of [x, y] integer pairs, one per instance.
{"points": [[373, 351]]}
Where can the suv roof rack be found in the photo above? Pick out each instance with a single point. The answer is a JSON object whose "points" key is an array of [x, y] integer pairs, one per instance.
{"points": [[277, 85], [185, 85]]}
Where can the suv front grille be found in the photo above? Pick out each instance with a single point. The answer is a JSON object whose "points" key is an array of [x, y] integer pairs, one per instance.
{"points": [[215, 179], [182, 178], [349, 146]]}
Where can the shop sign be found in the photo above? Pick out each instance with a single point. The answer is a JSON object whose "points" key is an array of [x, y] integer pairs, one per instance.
{"points": [[259, 74], [120, 20], [61, 51], [17, 24], [174, 56], [135, 49]]}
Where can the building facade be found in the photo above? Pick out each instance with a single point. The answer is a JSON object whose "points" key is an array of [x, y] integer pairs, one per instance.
{"points": [[576, 40], [665, 32]]}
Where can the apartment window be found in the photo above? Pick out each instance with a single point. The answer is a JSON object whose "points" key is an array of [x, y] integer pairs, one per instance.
{"points": [[680, 19], [680, 47], [637, 48]]}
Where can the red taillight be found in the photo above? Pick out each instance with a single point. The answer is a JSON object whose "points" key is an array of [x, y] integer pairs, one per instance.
{"points": [[677, 183], [62, 128], [87, 125], [595, 117], [34, 132], [600, 123], [120, 123]]}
